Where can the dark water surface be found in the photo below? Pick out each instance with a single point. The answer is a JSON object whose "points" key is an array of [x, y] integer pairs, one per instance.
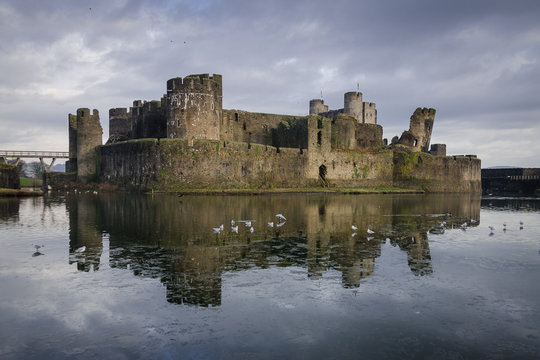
{"points": [[156, 281]]}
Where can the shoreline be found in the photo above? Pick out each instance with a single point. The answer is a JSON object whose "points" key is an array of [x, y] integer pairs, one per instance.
{"points": [[19, 192]]}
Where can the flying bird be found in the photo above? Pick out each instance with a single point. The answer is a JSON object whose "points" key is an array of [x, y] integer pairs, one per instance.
{"points": [[369, 231], [271, 224], [251, 229], [354, 227], [234, 229]]}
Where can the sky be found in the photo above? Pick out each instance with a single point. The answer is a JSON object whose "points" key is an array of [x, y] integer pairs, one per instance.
{"points": [[475, 61]]}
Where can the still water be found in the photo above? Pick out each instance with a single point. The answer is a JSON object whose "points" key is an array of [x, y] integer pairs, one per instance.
{"points": [[421, 277]]}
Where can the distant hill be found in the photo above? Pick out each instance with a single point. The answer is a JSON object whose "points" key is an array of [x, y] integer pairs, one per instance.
{"points": [[59, 168]]}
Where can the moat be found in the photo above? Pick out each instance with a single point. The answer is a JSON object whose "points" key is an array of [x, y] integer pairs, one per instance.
{"points": [[420, 276]]}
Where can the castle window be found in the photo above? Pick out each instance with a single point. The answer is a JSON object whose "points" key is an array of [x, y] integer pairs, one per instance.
{"points": [[235, 116], [244, 126], [319, 123], [415, 142], [319, 138], [178, 123]]}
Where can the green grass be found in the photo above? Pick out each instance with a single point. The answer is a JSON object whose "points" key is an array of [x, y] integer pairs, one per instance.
{"points": [[30, 182]]}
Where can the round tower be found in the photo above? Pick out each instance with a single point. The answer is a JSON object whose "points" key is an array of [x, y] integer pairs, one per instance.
{"points": [[316, 106], [353, 105], [194, 107]]}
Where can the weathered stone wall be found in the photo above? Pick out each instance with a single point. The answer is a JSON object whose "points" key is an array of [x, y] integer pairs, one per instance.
{"points": [[369, 136], [344, 132], [347, 133], [250, 127], [369, 115], [436, 173], [194, 107], [173, 164], [120, 124], [71, 164], [418, 136], [89, 135], [9, 176], [346, 168], [316, 106]]}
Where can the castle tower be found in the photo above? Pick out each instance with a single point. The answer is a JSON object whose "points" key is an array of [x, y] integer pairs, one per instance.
{"points": [[71, 164], [316, 106], [369, 115], [194, 107], [119, 124], [89, 133], [353, 105]]}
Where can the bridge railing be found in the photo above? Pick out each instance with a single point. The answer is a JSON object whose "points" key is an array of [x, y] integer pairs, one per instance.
{"points": [[36, 154]]}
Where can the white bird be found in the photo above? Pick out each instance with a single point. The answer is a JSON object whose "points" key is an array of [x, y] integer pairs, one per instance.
{"points": [[251, 229], [464, 225], [369, 231], [234, 229], [353, 234], [443, 224], [248, 223], [232, 222], [221, 227], [217, 230], [271, 224], [354, 227], [473, 221], [280, 224], [491, 228], [81, 249], [281, 217], [520, 225], [369, 238]]}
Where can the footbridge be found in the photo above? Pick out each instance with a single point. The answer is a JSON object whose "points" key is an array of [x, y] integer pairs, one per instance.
{"points": [[18, 155]]}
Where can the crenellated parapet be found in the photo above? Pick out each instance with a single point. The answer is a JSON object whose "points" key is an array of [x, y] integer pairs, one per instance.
{"points": [[194, 107]]}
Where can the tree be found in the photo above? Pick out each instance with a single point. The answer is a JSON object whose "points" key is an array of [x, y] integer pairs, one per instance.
{"points": [[35, 170]]}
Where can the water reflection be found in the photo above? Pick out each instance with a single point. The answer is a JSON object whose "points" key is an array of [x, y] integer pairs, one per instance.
{"points": [[173, 240]]}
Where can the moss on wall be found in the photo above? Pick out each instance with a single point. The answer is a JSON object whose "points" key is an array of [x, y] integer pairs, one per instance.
{"points": [[9, 176]]}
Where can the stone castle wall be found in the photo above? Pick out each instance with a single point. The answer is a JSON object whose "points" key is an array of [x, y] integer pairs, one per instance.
{"points": [[9, 176], [437, 173]]}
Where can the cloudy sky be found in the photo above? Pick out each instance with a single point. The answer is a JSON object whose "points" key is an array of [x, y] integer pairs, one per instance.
{"points": [[475, 61]]}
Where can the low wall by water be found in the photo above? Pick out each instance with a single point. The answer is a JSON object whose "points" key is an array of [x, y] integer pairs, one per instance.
{"points": [[9, 177], [171, 164]]}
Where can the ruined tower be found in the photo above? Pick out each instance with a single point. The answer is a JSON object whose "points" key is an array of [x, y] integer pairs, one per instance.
{"points": [[418, 136], [89, 133], [316, 106], [71, 164], [194, 107]]}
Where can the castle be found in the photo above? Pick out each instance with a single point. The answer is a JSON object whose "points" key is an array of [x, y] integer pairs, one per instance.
{"points": [[187, 140]]}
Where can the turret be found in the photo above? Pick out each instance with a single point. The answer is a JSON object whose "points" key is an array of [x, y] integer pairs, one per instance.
{"points": [[353, 105], [89, 133], [316, 106], [194, 107]]}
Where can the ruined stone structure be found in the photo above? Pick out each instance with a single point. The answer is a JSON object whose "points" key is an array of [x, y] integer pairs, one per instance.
{"points": [[191, 141], [85, 134]]}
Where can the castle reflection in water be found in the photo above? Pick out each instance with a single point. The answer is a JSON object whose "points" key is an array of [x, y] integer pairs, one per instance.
{"points": [[172, 239]]}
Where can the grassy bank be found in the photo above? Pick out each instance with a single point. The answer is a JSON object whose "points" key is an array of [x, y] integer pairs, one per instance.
{"points": [[356, 190], [21, 192]]}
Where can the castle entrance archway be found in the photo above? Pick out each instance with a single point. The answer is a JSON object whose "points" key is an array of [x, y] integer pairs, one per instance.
{"points": [[322, 175]]}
